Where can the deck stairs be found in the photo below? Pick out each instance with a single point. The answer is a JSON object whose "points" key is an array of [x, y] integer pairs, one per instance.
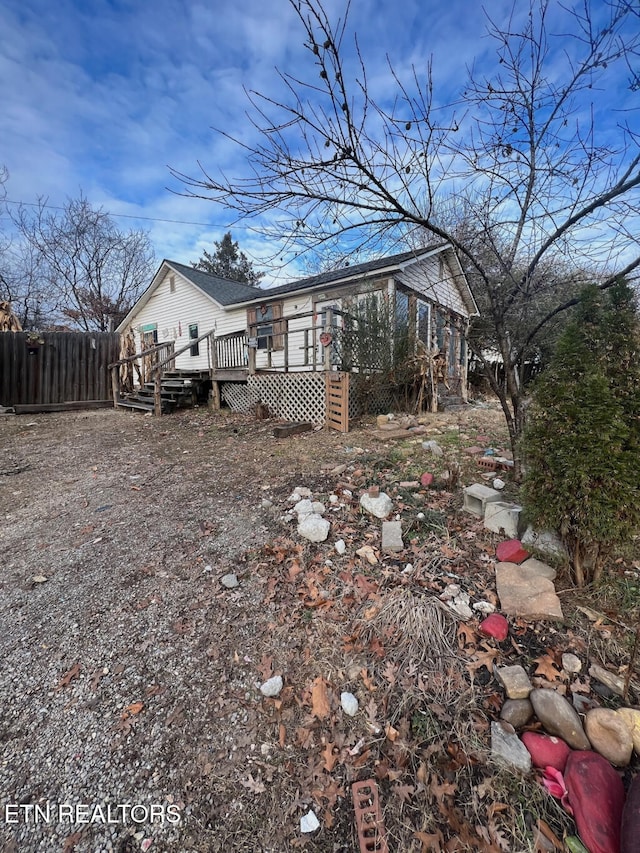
{"points": [[179, 390]]}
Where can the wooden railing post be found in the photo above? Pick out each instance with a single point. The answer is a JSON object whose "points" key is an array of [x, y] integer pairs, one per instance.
{"points": [[328, 327], [157, 392]]}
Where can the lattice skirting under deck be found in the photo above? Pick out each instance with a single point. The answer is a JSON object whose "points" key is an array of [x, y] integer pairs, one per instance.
{"points": [[301, 396]]}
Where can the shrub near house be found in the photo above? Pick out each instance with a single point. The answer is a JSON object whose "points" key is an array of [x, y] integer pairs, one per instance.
{"points": [[582, 440]]}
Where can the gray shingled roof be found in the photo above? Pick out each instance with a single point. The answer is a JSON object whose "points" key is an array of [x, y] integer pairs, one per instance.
{"points": [[223, 290], [349, 272]]}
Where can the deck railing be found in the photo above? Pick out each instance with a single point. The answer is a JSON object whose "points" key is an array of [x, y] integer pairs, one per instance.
{"points": [[230, 351]]}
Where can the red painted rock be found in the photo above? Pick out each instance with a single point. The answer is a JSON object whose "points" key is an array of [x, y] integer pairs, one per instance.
{"points": [[426, 479], [596, 795], [512, 551], [630, 832], [546, 751], [496, 626]]}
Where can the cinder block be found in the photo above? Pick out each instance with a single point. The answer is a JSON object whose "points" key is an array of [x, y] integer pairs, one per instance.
{"points": [[503, 517], [476, 498]]}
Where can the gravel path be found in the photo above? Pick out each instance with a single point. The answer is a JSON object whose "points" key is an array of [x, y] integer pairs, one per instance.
{"points": [[116, 634]]}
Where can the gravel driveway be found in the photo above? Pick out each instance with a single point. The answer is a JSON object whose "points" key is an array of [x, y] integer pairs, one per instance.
{"points": [[118, 696]]}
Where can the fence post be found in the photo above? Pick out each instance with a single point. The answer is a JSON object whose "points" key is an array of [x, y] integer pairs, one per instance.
{"points": [[115, 385]]}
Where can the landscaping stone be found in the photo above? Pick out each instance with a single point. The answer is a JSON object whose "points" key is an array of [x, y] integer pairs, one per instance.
{"points": [[309, 822], [517, 712], [596, 794], [392, 537], [514, 681], [314, 528], [571, 663], [426, 479], [349, 703], [503, 517], [526, 594], [507, 748], [546, 543], [381, 506], [631, 716], [512, 551], [433, 447], [476, 497], [609, 679], [630, 824], [609, 735], [495, 626], [559, 718], [340, 546], [546, 750], [272, 686], [540, 568], [230, 581], [303, 507]]}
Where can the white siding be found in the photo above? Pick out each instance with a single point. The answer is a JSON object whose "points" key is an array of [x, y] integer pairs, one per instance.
{"points": [[426, 277], [173, 313]]}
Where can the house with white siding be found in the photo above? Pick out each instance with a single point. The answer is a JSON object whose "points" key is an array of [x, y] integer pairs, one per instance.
{"points": [[239, 332]]}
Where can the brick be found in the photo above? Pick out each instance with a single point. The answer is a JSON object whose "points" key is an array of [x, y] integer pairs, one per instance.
{"points": [[512, 551], [372, 835]]}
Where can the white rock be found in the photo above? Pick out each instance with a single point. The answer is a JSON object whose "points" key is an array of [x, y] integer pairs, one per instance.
{"points": [[318, 506], [230, 581], [303, 491], [309, 822], [39, 579], [498, 484], [333, 499], [571, 663], [340, 546], [484, 607], [434, 447], [265, 503], [303, 507], [272, 686], [314, 527], [349, 704], [380, 506]]}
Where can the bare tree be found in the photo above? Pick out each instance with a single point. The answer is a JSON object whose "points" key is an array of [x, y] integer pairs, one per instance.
{"points": [[522, 156], [78, 268]]}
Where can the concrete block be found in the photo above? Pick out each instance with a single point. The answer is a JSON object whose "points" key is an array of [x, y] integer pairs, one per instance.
{"points": [[476, 498], [503, 517], [392, 537]]}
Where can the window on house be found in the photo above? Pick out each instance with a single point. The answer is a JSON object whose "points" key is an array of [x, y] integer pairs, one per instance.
{"points": [[264, 326], [193, 336], [172, 284], [424, 323]]}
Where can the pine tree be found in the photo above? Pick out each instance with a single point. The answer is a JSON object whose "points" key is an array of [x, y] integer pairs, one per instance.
{"points": [[228, 262], [582, 437]]}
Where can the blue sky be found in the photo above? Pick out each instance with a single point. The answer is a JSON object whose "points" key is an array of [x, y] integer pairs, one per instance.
{"points": [[102, 97]]}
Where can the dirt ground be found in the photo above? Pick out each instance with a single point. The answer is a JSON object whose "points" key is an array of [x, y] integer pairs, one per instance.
{"points": [[130, 711]]}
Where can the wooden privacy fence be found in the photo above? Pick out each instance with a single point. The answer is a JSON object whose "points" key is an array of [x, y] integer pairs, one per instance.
{"points": [[53, 370]]}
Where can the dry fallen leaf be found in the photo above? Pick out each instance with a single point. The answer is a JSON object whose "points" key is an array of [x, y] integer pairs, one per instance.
{"points": [[368, 554], [330, 758], [68, 676], [320, 698], [253, 785]]}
